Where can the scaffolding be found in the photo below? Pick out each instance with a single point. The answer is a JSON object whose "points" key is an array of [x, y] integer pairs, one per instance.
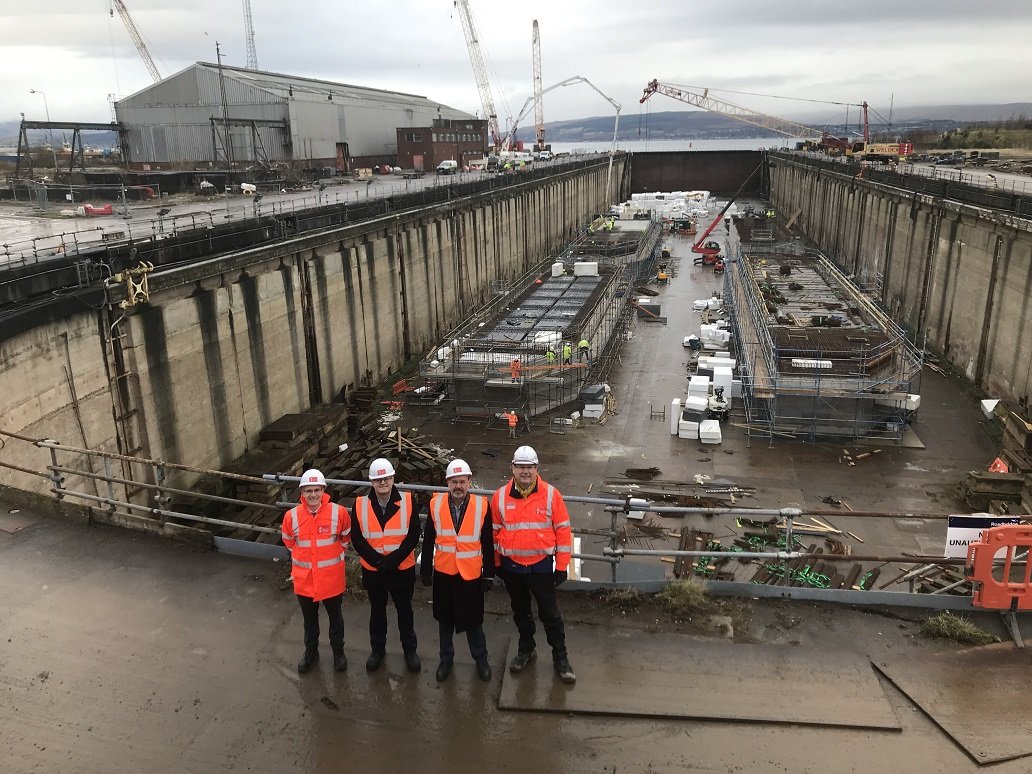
{"points": [[520, 352], [819, 358]]}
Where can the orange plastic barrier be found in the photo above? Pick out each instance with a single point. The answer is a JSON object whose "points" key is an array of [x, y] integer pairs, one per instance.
{"points": [[1003, 594]]}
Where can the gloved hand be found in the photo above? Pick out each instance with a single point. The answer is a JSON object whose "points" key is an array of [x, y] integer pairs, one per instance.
{"points": [[390, 562], [559, 577], [486, 584], [427, 580]]}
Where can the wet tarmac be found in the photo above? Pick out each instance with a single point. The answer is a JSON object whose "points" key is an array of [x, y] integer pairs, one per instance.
{"points": [[125, 652]]}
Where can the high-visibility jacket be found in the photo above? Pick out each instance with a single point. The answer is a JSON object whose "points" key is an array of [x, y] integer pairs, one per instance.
{"points": [[528, 529], [513, 419], [567, 351], [516, 366], [584, 344], [387, 539], [317, 544], [549, 356], [458, 552]]}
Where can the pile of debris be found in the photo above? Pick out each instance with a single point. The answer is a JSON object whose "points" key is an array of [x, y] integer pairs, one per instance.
{"points": [[766, 536]]}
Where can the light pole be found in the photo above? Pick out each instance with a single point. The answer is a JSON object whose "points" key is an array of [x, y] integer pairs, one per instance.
{"points": [[46, 109]]}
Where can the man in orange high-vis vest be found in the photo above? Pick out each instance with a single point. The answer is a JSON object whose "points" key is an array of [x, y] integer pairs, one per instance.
{"points": [[385, 539], [513, 420], [317, 532], [458, 560], [533, 547]]}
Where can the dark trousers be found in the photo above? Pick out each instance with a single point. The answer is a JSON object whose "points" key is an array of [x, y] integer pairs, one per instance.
{"points": [[521, 587], [399, 586], [310, 614], [475, 637]]}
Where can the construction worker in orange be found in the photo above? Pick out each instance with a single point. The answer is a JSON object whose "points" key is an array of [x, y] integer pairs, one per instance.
{"points": [[513, 420], [317, 532], [516, 367], [533, 548], [386, 538], [458, 561]]}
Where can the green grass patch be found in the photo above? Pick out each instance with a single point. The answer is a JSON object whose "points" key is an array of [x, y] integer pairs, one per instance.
{"points": [[946, 626], [685, 600]]}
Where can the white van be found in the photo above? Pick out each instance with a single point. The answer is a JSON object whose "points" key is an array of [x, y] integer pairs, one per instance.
{"points": [[449, 167]]}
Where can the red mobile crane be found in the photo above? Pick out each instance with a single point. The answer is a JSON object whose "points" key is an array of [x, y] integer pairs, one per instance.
{"points": [[710, 250], [828, 143]]}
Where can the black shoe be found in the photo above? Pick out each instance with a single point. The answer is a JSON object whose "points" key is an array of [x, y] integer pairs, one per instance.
{"points": [[340, 662], [565, 671], [520, 661], [307, 660], [443, 670], [412, 662], [375, 659], [484, 670]]}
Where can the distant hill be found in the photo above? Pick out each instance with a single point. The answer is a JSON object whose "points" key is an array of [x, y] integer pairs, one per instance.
{"points": [[703, 125]]}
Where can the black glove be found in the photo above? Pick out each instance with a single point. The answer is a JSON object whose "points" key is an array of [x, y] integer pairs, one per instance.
{"points": [[427, 580], [486, 584], [390, 562], [559, 577]]}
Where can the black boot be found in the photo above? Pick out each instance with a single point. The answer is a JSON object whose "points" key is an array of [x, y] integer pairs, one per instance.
{"points": [[340, 661], [307, 660]]}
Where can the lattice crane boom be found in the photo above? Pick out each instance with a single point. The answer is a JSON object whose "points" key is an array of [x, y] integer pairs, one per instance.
{"points": [[476, 58], [706, 102], [252, 53], [539, 103], [137, 38]]}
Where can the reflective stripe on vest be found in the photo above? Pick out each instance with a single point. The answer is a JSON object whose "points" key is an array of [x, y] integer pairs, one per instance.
{"points": [[502, 548], [458, 553], [386, 539], [335, 537]]}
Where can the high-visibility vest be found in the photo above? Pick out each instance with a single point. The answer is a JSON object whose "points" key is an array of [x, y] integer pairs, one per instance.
{"points": [[513, 419], [584, 344], [528, 529], [317, 545], [567, 351], [386, 539], [458, 551], [550, 356]]}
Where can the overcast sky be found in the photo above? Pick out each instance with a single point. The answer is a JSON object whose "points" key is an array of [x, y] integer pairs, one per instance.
{"points": [[914, 52]]}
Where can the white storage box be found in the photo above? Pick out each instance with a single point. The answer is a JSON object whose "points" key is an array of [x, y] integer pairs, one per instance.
{"points": [[585, 269], [557, 269], [698, 386], [709, 431], [675, 415]]}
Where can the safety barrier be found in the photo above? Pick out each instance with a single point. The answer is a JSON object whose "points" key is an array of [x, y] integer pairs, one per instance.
{"points": [[992, 587]]}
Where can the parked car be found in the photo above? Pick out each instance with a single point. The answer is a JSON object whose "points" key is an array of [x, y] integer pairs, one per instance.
{"points": [[449, 167], [544, 156]]}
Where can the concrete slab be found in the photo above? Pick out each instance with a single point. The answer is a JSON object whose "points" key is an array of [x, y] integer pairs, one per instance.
{"points": [[618, 673], [18, 519], [979, 697]]}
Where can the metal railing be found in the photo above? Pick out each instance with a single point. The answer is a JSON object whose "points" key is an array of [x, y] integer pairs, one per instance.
{"points": [[108, 498]]}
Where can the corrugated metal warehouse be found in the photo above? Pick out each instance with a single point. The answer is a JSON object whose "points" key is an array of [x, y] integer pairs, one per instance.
{"points": [[183, 120]]}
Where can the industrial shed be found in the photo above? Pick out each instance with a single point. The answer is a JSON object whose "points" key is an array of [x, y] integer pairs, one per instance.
{"points": [[216, 117]]}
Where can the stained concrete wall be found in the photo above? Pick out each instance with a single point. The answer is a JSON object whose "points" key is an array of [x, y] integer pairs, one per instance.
{"points": [[227, 345], [958, 276]]}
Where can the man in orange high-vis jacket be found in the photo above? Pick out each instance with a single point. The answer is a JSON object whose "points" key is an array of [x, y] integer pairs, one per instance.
{"points": [[458, 560], [533, 547], [317, 532], [385, 539]]}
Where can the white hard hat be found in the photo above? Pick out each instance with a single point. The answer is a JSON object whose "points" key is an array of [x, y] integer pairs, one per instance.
{"points": [[525, 455], [380, 468], [458, 468], [312, 477]]}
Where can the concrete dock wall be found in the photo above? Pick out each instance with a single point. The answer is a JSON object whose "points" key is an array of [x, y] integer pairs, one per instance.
{"points": [[956, 274], [227, 345]]}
